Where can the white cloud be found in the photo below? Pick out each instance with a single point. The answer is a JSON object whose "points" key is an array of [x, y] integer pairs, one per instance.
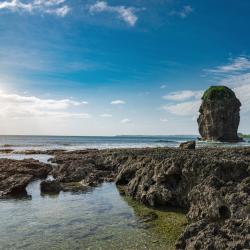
{"points": [[15, 5], [183, 95], [163, 86], [106, 115], [184, 12], [164, 120], [243, 93], [184, 108], [62, 11], [236, 75], [48, 2], [19, 106], [127, 14], [56, 7], [236, 80], [118, 102], [241, 86], [240, 63], [126, 120]]}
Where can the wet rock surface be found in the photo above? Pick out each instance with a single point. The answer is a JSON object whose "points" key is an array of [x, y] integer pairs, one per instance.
{"points": [[16, 175], [79, 170], [188, 145], [211, 184], [50, 186], [219, 115]]}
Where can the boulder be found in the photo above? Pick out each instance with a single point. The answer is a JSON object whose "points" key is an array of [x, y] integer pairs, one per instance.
{"points": [[219, 115], [188, 145], [50, 186]]}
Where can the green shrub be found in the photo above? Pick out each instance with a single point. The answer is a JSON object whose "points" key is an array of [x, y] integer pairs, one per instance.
{"points": [[218, 93]]}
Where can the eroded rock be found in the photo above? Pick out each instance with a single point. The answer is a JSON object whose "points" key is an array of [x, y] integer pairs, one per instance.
{"points": [[16, 175], [219, 115], [211, 184], [188, 145]]}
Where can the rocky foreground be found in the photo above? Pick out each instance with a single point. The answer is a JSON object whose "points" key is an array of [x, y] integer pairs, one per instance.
{"points": [[212, 185], [16, 175]]}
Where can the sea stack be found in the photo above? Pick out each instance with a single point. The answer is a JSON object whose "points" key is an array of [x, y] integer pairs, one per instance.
{"points": [[219, 115]]}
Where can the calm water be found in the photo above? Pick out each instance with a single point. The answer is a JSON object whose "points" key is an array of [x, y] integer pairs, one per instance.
{"points": [[98, 219], [100, 142]]}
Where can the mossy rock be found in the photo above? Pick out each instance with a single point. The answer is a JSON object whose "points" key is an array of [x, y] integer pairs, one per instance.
{"points": [[166, 224], [218, 93]]}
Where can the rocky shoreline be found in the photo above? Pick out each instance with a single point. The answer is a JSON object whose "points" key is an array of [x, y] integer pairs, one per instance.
{"points": [[211, 184]]}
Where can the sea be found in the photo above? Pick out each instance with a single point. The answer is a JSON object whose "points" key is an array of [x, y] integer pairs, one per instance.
{"points": [[20, 143]]}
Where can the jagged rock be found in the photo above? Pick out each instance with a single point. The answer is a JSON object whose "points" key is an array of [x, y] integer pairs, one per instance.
{"points": [[188, 145], [219, 115], [50, 186], [204, 234], [211, 184], [16, 175]]}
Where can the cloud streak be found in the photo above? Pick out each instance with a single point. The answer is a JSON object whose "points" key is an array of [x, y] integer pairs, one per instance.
{"points": [[184, 12], [238, 64], [184, 108], [125, 121], [106, 115], [55, 7], [183, 95], [126, 14], [118, 102]]}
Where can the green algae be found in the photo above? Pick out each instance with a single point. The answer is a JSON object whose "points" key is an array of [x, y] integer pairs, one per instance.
{"points": [[167, 224]]}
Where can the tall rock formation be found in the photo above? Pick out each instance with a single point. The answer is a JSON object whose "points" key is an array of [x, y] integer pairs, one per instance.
{"points": [[219, 115]]}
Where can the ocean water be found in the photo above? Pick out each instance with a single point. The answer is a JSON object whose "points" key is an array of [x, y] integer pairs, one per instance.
{"points": [[100, 142]]}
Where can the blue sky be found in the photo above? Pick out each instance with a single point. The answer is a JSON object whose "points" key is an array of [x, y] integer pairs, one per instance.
{"points": [[118, 67]]}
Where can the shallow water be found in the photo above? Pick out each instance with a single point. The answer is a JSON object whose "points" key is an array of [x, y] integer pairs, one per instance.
{"points": [[40, 157], [97, 219]]}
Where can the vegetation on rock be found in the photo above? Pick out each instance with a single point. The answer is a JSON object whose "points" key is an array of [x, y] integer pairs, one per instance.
{"points": [[243, 135], [218, 93], [168, 224]]}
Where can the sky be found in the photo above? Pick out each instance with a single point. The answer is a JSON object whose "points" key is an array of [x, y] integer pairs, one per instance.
{"points": [[115, 67]]}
